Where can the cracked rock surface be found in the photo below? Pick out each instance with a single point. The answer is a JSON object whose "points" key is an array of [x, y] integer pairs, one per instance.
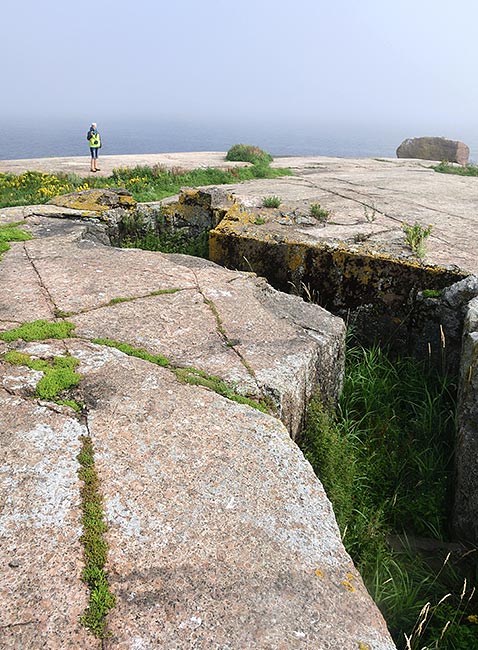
{"points": [[219, 534]]}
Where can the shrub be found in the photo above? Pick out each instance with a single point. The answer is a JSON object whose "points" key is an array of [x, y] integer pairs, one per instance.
{"points": [[248, 153]]}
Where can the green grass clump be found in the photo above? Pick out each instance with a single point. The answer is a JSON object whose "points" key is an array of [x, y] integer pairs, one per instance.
{"points": [[271, 201], [248, 153], [95, 550], [385, 459], [10, 232], [319, 213], [59, 374], [59, 377], [448, 168], [416, 236], [39, 330]]}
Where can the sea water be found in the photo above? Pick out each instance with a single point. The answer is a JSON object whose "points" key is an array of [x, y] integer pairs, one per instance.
{"points": [[32, 138]]}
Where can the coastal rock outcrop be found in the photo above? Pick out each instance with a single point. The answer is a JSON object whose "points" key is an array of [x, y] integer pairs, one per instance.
{"points": [[219, 533], [432, 148]]}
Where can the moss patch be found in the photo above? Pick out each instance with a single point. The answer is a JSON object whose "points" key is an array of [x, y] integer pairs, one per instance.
{"points": [[159, 292], [95, 550], [39, 330], [10, 232], [200, 378], [192, 376], [59, 374], [131, 351]]}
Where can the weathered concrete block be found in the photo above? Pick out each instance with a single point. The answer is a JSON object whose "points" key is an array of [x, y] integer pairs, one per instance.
{"points": [[465, 519], [97, 200], [434, 149]]}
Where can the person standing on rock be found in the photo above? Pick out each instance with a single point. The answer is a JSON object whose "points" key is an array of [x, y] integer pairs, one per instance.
{"points": [[94, 139]]}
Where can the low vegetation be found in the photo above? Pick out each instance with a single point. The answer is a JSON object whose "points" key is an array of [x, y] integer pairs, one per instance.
{"points": [[271, 201], [95, 549], [449, 168], [39, 330], [11, 232], [58, 374], [319, 213], [145, 183], [385, 459], [169, 242], [188, 375], [416, 236]]}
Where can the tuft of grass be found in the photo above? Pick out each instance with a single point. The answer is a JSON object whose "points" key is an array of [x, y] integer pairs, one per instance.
{"points": [[10, 232], [95, 550], [170, 242], [248, 153], [271, 201], [385, 459], [319, 213], [416, 236], [59, 377], [39, 330]]}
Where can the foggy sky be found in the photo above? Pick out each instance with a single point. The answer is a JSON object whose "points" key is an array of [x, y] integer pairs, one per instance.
{"points": [[373, 61]]}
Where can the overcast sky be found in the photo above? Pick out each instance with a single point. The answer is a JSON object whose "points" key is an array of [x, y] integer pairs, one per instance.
{"points": [[413, 61]]}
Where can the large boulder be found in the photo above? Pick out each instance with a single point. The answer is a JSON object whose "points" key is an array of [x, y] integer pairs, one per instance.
{"points": [[429, 148]]}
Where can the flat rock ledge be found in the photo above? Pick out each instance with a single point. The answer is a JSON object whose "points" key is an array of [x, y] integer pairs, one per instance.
{"points": [[220, 536]]}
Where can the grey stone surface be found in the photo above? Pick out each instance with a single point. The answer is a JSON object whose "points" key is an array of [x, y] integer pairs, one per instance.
{"points": [[41, 594], [433, 148], [437, 327], [466, 451], [392, 190]]}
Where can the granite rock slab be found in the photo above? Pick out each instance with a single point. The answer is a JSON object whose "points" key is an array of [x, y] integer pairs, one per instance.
{"points": [[225, 323], [41, 593], [209, 546]]}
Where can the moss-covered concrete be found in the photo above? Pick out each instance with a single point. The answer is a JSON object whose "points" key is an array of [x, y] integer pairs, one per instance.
{"points": [[372, 285]]}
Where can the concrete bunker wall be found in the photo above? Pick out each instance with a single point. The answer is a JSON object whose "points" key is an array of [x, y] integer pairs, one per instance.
{"points": [[427, 311]]}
